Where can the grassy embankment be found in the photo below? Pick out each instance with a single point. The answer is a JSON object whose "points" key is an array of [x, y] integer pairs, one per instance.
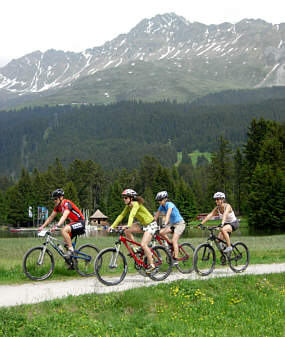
{"points": [[246, 305]]}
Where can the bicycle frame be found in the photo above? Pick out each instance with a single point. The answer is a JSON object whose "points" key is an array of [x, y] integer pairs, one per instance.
{"points": [[125, 241], [160, 240], [52, 241], [213, 237], [138, 261]]}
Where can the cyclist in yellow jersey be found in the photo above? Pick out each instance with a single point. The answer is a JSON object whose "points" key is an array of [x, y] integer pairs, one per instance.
{"points": [[135, 208]]}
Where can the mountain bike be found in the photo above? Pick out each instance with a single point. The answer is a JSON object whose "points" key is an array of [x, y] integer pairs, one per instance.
{"points": [[111, 264], [38, 262], [185, 253], [204, 259]]}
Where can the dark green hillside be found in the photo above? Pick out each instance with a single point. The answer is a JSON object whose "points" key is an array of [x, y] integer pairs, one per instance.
{"points": [[119, 135], [244, 96]]}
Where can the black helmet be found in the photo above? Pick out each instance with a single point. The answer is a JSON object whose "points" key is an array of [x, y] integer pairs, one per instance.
{"points": [[57, 193]]}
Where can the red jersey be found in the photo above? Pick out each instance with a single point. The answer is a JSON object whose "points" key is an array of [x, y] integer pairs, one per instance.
{"points": [[75, 213]]}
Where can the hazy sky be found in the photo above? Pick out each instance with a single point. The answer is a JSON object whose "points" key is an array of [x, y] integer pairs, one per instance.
{"points": [[74, 25]]}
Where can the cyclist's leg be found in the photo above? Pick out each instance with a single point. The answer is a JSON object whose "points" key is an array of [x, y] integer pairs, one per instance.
{"points": [[144, 243], [164, 231], [225, 234], [135, 228], [66, 234], [71, 230], [178, 230], [148, 234]]}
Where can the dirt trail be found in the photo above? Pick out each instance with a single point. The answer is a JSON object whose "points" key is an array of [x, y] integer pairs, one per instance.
{"points": [[34, 292]]}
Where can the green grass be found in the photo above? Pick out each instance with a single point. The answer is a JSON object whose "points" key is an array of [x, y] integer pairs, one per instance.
{"points": [[194, 156], [179, 158], [247, 305], [263, 249]]}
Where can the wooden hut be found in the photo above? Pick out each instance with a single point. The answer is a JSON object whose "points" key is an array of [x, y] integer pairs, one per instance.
{"points": [[98, 218]]}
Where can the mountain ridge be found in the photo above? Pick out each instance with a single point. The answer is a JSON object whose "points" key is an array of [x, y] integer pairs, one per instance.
{"points": [[197, 58]]}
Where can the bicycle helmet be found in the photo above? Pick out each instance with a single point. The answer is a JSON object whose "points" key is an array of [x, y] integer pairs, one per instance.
{"points": [[57, 193], [219, 195], [129, 193], [161, 195]]}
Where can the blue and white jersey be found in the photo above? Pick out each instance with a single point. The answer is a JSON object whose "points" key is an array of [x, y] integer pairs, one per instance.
{"points": [[175, 216]]}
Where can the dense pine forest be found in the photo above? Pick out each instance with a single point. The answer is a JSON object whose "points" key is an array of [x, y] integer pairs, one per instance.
{"points": [[120, 135], [252, 175]]}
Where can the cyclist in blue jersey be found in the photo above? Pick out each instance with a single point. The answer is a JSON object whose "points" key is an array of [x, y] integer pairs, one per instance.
{"points": [[174, 222]]}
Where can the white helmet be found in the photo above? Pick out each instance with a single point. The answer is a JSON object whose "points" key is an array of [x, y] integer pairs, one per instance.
{"points": [[161, 195], [129, 193], [218, 195]]}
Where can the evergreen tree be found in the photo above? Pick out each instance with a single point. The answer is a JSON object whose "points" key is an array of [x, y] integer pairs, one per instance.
{"points": [[16, 206], [221, 168], [266, 198], [70, 193], [185, 201], [115, 203], [59, 174], [3, 213], [238, 180], [88, 179], [150, 202], [146, 172]]}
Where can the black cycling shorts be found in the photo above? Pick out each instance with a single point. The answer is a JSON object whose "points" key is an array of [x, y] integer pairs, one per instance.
{"points": [[77, 228], [235, 225]]}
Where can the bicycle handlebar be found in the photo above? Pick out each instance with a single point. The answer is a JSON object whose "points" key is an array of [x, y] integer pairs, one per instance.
{"points": [[119, 231], [209, 228], [44, 233]]}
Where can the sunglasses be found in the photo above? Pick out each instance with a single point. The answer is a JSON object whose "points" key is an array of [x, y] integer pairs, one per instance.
{"points": [[218, 199], [126, 198]]}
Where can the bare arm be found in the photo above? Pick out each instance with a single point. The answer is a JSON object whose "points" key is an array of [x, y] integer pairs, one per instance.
{"points": [[168, 216], [156, 216], [48, 220], [209, 216], [63, 217]]}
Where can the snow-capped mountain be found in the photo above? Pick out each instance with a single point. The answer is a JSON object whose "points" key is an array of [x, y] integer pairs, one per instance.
{"points": [[162, 57]]}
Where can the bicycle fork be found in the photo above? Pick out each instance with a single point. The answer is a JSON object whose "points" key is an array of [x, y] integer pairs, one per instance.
{"points": [[114, 257], [42, 255]]}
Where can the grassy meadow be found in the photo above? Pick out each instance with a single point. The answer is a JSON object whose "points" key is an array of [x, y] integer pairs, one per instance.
{"points": [[245, 305], [263, 249]]}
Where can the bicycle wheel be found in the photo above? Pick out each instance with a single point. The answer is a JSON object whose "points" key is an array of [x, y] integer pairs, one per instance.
{"points": [[239, 257], [204, 259], [185, 258], [84, 260], [38, 264], [110, 266], [163, 263], [140, 269]]}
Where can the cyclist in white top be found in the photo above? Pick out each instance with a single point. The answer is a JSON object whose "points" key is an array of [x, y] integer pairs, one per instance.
{"points": [[229, 221]]}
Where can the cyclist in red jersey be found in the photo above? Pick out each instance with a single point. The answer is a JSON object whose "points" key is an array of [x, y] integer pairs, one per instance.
{"points": [[69, 211]]}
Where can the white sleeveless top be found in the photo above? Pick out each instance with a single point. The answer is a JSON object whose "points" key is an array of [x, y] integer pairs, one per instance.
{"points": [[230, 217]]}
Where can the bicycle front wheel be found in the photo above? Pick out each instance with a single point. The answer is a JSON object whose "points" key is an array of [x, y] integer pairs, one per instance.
{"points": [[84, 260], [110, 266], [239, 257], [204, 259], [38, 263], [185, 258], [163, 263]]}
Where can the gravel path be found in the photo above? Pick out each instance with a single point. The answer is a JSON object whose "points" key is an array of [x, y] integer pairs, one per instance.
{"points": [[34, 292]]}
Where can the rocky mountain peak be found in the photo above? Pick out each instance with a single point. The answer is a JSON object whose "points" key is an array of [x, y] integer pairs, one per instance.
{"points": [[167, 47]]}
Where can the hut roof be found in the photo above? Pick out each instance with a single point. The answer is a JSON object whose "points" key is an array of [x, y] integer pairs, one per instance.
{"points": [[98, 215]]}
